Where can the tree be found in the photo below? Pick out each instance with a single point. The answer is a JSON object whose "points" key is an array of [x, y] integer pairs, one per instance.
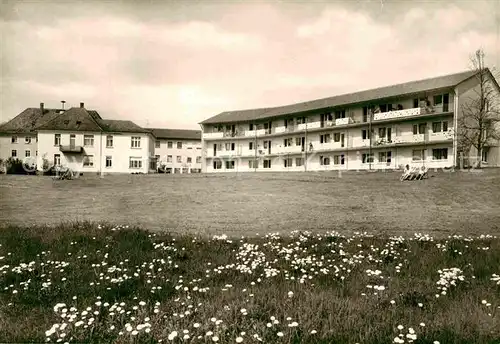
{"points": [[478, 125]]}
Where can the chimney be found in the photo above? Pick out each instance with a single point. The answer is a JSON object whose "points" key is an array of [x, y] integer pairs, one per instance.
{"points": [[41, 108], [82, 105]]}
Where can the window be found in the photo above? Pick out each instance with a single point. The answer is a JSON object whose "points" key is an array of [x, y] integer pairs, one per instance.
{"points": [[365, 134], [336, 137], [57, 159], [381, 132], [298, 141], [418, 155], [484, 154], [367, 158], [27, 140], [422, 127], [198, 159], [169, 158], [339, 159], [230, 165], [179, 158], [14, 139], [299, 162], [88, 161], [170, 144], [27, 153], [385, 157], [14, 153], [36, 153], [217, 165], [324, 138], [190, 147], [157, 157], [253, 164], [324, 160], [109, 141], [287, 162], [230, 146], [438, 99], [189, 160], [288, 142], [436, 127], [250, 145], [88, 140], [135, 162], [57, 139], [445, 126], [440, 154], [339, 114], [157, 144], [301, 120], [415, 129], [135, 142], [179, 145], [109, 161], [267, 163]]}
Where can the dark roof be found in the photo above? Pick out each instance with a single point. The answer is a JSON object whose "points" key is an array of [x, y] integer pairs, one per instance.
{"points": [[28, 120], [75, 119], [111, 125], [408, 88], [176, 134]]}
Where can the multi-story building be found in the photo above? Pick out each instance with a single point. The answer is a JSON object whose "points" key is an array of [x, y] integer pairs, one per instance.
{"points": [[178, 150], [18, 137], [385, 128], [78, 139]]}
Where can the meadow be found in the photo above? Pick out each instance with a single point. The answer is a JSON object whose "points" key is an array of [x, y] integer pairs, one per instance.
{"points": [[271, 258], [92, 283]]}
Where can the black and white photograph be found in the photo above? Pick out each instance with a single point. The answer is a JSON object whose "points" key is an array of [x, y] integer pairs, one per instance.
{"points": [[250, 171]]}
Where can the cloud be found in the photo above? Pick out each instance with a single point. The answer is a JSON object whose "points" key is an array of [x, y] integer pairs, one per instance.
{"points": [[179, 65]]}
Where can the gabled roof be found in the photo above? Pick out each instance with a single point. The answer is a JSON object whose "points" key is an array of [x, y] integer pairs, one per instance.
{"points": [[176, 134], [111, 125], [74, 119], [387, 92], [28, 120]]}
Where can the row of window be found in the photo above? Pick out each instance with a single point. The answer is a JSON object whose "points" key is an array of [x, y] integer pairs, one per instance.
{"points": [[170, 144], [27, 139], [179, 159], [366, 158], [27, 153], [88, 141], [88, 161]]}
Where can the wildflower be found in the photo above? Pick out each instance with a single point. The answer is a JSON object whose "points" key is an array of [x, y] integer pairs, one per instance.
{"points": [[239, 339], [196, 325], [172, 335], [400, 327], [314, 332], [280, 334], [215, 338]]}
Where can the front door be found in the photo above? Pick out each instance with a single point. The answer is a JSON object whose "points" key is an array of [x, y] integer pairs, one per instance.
{"points": [[72, 140]]}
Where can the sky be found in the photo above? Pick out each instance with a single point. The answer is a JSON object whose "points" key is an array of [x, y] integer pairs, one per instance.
{"points": [[175, 63]]}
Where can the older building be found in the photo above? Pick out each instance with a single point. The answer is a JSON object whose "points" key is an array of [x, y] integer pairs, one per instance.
{"points": [[178, 150], [385, 128]]}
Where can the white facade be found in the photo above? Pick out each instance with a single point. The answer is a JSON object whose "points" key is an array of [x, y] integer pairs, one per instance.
{"points": [[100, 152], [415, 131], [178, 155], [19, 145]]}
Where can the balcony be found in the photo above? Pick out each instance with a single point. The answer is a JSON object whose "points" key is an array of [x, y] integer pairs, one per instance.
{"points": [[217, 135], [344, 121], [312, 125], [258, 132], [411, 138], [284, 130], [410, 112], [71, 149], [289, 150], [442, 135]]}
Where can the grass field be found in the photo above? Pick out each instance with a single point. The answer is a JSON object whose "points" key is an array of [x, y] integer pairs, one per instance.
{"points": [[83, 283], [460, 202]]}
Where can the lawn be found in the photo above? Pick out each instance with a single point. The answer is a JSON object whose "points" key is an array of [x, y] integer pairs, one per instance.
{"points": [[446, 203], [359, 258]]}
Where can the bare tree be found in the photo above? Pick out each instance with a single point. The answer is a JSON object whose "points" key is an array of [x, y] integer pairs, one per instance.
{"points": [[478, 125]]}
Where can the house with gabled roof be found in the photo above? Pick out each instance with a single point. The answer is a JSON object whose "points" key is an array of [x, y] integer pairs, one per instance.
{"points": [[79, 139], [412, 123], [18, 137], [178, 150]]}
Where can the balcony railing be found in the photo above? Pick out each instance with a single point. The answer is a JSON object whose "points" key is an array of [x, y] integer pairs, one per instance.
{"points": [[289, 150], [217, 135], [71, 149], [409, 112]]}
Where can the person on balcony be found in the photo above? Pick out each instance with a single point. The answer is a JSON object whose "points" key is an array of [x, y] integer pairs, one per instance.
{"points": [[310, 147]]}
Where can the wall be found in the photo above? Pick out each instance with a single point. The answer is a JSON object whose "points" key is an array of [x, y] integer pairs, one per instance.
{"points": [[190, 149], [6, 145]]}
